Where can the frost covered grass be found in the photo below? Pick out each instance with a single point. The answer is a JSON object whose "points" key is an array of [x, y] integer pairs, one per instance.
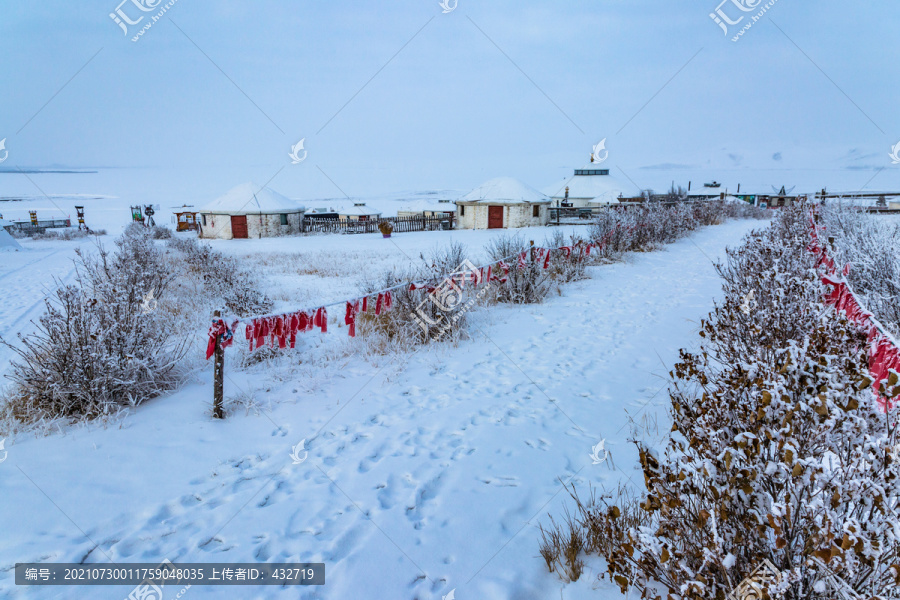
{"points": [[778, 451]]}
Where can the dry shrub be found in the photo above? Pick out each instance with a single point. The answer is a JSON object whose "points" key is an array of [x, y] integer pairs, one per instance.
{"points": [[596, 527]]}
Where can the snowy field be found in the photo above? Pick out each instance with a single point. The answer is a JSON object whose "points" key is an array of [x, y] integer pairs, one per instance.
{"points": [[426, 472]]}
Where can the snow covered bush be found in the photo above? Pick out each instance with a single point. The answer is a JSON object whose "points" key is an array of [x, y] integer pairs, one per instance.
{"points": [[219, 279], [63, 234], [778, 451], [101, 344], [526, 286], [160, 233], [869, 243], [424, 314], [572, 268], [644, 227]]}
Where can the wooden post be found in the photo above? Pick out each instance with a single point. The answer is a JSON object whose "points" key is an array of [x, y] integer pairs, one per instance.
{"points": [[218, 375], [531, 243]]}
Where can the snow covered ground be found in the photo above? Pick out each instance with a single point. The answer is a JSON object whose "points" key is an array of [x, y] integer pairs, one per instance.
{"points": [[426, 472]]}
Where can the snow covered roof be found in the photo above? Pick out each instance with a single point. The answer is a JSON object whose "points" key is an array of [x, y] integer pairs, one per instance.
{"points": [[588, 186], [251, 199], [427, 204], [504, 190]]}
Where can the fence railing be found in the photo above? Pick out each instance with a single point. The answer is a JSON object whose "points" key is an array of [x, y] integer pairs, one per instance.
{"points": [[400, 224], [29, 228]]}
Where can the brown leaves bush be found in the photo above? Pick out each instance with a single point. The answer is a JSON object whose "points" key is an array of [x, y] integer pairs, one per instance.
{"points": [[778, 451]]}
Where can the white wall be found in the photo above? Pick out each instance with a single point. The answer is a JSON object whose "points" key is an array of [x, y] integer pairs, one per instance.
{"points": [[219, 226], [514, 215]]}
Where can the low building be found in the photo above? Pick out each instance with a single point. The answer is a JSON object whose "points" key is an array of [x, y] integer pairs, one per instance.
{"points": [[428, 208], [502, 203], [587, 185], [358, 212], [250, 211]]}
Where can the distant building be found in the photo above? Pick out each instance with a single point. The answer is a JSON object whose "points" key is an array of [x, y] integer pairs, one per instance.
{"points": [[250, 211], [358, 212], [502, 203], [428, 208], [589, 184]]}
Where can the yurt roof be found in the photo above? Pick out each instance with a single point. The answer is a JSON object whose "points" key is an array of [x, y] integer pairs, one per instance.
{"points": [[504, 190], [251, 199], [588, 186]]}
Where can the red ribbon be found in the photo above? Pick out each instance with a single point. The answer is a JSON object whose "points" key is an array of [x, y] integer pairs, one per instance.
{"points": [[350, 317], [321, 319], [219, 328]]}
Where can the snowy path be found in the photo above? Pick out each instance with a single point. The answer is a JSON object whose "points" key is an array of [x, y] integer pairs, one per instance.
{"points": [[425, 473]]}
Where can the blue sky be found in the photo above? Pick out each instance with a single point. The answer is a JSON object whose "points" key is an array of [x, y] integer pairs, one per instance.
{"points": [[396, 95]]}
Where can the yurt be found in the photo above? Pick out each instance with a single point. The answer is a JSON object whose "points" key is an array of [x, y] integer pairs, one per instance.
{"points": [[502, 203], [589, 186], [250, 211]]}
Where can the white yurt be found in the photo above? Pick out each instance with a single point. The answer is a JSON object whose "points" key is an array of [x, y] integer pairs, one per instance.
{"points": [[589, 186], [250, 211], [502, 203]]}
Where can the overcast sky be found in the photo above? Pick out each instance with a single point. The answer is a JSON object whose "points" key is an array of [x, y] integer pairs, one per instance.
{"points": [[398, 95]]}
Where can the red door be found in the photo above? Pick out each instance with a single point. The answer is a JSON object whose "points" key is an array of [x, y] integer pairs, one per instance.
{"points": [[495, 217], [239, 226]]}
